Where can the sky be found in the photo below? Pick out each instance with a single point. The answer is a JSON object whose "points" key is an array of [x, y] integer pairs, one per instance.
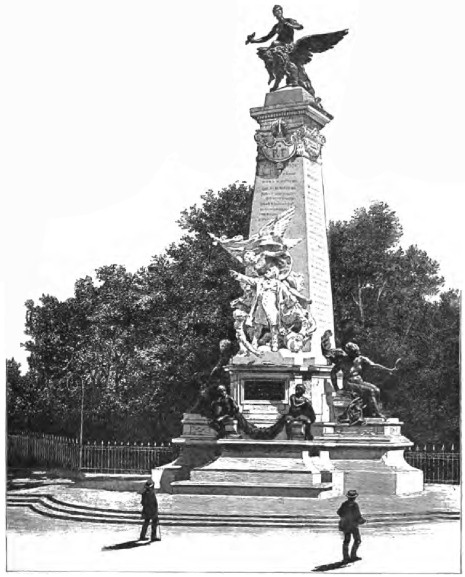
{"points": [[117, 115]]}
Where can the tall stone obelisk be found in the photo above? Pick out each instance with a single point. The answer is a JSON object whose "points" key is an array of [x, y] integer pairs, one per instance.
{"points": [[289, 173]]}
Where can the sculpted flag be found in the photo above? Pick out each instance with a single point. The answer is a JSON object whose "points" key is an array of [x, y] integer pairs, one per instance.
{"points": [[272, 309]]}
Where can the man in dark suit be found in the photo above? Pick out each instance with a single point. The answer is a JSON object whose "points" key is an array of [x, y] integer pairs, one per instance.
{"points": [[149, 511], [351, 518]]}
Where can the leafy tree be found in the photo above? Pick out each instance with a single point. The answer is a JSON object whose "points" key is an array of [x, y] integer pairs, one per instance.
{"points": [[386, 300], [193, 282], [139, 345], [15, 395]]}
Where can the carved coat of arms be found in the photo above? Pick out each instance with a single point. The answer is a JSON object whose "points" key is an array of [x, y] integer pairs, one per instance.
{"points": [[277, 146]]}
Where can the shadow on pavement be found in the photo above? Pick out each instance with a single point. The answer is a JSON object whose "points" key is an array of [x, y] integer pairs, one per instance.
{"points": [[126, 545], [330, 566]]}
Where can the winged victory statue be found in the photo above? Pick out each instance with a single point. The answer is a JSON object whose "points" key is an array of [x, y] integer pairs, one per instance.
{"points": [[285, 58]]}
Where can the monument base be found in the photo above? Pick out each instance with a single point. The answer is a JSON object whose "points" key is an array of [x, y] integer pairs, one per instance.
{"points": [[263, 468], [369, 458]]}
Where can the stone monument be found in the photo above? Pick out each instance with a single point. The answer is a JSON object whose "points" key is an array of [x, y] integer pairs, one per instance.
{"points": [[285, 429]]}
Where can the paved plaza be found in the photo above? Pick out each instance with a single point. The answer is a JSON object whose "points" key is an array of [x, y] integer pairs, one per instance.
{"points": [[55, 537], [35, 543]]}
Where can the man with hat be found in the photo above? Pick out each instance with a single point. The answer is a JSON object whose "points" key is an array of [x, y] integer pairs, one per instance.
{"points": [[149, 511], [351, 518]]}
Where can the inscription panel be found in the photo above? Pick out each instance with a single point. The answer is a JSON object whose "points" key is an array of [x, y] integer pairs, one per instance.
{"points": [[319, 272], [261, 390], [275, 195]]}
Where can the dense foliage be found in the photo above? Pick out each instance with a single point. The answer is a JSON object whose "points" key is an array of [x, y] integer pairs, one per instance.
{"points": [[140, 345]]}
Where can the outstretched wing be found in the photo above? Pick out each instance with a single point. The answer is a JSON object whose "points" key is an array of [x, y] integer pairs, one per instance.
{"points": [[308, 45], [278, 225]]}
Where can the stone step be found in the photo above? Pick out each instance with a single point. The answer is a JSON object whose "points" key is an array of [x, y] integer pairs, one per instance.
{"points": [[362, 465], [273, 477], [257, 463], [249, 489], [204, 513]]}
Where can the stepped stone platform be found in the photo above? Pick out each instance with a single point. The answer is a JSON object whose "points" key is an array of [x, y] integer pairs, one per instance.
{"points": [[369, 458], [239, 475], [262, 468]]}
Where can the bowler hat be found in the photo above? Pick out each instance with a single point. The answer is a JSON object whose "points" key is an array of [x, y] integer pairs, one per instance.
{"points": [[352, 494], [149, 483]]}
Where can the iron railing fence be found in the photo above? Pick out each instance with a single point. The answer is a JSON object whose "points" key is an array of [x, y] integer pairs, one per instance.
{"points": [[440, 464], [44, 450], [125, 458], [53, 451]]}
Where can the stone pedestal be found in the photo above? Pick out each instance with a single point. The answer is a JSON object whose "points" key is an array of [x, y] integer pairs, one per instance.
{"points": [[262, 389], [198, 445], [369, 458], [297, 430], [196, 426]]}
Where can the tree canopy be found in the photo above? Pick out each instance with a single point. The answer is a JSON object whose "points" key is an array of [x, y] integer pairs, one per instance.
{"points": [[140, 345], [388, 300]]}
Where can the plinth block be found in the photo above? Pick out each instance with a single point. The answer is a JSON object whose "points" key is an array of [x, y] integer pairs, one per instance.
{"points": [[195, 426], [380, 477], [372, 428], [297, 429]]}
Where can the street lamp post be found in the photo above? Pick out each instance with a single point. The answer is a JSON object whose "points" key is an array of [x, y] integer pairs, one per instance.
{"points": [[81, 431]]}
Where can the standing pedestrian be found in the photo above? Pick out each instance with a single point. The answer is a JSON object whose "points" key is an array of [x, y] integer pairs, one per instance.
{"points": [[351, 518], [149, 511]]}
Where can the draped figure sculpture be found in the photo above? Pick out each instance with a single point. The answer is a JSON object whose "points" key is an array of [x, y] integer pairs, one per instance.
{"points": [[272, 311]]}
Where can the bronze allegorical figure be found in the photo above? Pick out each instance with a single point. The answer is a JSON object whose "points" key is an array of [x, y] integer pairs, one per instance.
{"points": [[286, 58]]}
